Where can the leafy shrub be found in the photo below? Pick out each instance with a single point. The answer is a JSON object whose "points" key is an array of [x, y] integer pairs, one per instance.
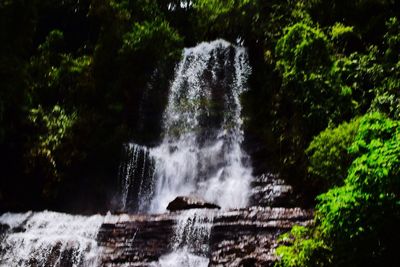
{"points": [[302, 50], [358, 221], [311, 96], [156, 37], [339, 29], [43, 158], [301, 249], [328, 157]]}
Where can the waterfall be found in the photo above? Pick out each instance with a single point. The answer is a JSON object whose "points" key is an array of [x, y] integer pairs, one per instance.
{"points": [[136, 177], [200, 153], [190, 242], [49, 239]]}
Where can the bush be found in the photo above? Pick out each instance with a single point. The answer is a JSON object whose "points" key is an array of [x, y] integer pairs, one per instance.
{"points": [[301, 249], [52, 128], [302, 50], [328, 157], [155, 38], [359, 221]]}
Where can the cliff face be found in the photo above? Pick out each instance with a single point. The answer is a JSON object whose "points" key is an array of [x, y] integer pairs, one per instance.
{"points": [[240, 237]]}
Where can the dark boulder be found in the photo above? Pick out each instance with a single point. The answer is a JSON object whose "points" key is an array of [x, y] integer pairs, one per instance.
{"points": [[190, 202]]}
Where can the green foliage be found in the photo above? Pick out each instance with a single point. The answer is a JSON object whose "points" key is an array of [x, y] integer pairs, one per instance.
{"points": [[359, 74], [392, 39], [357, 220], [387, 94], [224, 18], [300, 249], [304, 61], [156, 36], [52, 128], [387, 98], [54, 43], [339, 29], [302, 51], [58, 75], [216, 8], [343, 37], [378, 147], [328, 154], [311, 95]]}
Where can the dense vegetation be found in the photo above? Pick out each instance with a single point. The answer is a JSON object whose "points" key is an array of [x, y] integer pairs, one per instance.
{"points": [[79, 78]]}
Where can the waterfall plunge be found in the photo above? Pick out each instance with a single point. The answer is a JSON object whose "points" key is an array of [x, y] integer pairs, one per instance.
{"points": [[201, 151]]}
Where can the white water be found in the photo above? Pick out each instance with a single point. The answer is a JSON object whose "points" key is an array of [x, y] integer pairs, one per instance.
{"points": [[190, 243], [200, 155], [136, 176], [201, 150], [196, 156], [49, 239]]}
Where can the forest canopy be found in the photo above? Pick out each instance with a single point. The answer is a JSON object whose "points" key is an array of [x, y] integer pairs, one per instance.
{"points": [[78, 78]]}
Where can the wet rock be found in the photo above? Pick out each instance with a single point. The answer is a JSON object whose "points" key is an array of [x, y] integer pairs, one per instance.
{"points": [[190, 202], [270, 191], [242, 237], [135, 240], [248, 237], [239, 237]]}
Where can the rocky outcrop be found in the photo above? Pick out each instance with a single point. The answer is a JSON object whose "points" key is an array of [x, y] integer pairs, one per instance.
{"points": [[270, 191], [135, 240], [248, 237], [240, 237], [244, 237], [190, 202]]}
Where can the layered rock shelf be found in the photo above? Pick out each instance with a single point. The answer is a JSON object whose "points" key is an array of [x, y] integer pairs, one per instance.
{"points": [[240, 237], [135, 240], [248, 237], [244, 237]]}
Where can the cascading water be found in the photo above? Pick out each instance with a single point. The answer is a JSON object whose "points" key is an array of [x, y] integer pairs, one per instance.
{"points": [[49, 239], [190, 242], [136, 173], [201, 151], [200, 155]]}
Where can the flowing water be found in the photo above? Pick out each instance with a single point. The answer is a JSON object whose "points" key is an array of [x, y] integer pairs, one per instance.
{"points": [[201, 150], [200, 154], [136, 177], [190, 242], [49, 239]]}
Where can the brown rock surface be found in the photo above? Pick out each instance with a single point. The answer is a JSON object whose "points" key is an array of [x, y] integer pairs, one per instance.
{"points": [[248, 237], [240, 237], [135, 240]]}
